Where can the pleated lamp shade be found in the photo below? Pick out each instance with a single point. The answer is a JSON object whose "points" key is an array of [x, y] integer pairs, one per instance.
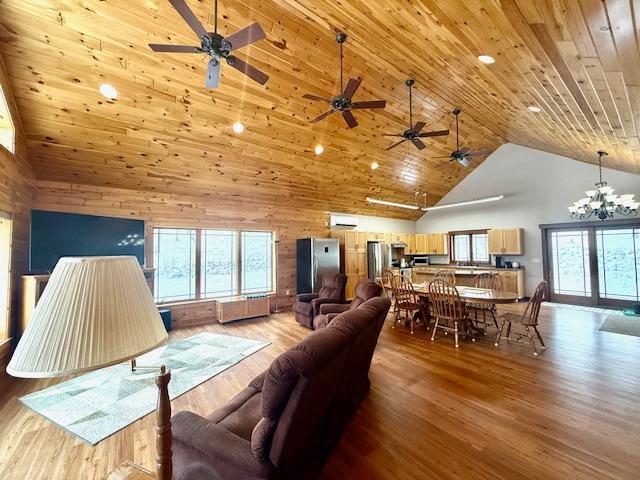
{"points": [[94, 312]]}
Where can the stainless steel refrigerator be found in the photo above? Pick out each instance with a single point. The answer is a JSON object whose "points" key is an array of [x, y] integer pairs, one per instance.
{"points": [[315, 258], [378, 259]]}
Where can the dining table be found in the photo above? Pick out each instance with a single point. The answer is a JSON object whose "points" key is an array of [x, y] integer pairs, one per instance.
{"points": [[468, 295]]}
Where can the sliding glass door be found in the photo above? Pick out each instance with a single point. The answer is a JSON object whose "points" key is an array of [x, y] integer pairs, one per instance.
{"points": [[596, 264], [570, 266]]}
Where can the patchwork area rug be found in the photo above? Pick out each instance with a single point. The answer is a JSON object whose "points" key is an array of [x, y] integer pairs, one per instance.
{"points": [[98, 404], [622, 324]]}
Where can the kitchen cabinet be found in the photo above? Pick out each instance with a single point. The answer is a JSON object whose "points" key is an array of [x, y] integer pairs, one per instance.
{"points": [[506, 241], [412, 244], [512, 281], [353, 256], [421, 243], [437, 243]]}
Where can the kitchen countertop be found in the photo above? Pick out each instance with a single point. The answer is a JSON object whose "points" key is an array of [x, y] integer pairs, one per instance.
{"points": [[470, 270]]}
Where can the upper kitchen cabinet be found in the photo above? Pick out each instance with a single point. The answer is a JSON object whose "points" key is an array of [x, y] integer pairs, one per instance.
{"points": [[437, 243], [421, 243], [506, 241]]}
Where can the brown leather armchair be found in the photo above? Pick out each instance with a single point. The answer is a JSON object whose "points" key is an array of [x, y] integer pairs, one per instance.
{"points": [[365, 290], [307, 305]]}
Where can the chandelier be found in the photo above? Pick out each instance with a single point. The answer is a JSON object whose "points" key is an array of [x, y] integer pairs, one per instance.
{"points": [[601, 202]]}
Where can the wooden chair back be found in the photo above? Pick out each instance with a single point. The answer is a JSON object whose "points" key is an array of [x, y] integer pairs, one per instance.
{"points": [[445, 301], [388, 281], [406, 296], [446, 275], [486, 280], [530, 314]]}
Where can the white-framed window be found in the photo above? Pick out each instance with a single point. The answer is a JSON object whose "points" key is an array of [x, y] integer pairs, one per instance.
{"points": [[7, 129], [5, 276], [196, 264], [470, 246]]}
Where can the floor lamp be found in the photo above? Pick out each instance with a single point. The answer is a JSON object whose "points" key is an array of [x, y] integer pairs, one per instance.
{"points": [[96, 312]]}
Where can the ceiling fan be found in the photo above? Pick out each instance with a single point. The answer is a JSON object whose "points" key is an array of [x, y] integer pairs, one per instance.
{"points": [[342, 103], [413, 133], [462, 155], [216, 46]]}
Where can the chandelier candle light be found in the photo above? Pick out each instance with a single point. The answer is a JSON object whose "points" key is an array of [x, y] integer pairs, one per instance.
{"points": [[601, 202]]}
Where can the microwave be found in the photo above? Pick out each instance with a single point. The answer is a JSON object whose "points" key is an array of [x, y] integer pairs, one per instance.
{"points": [[421, 260]]}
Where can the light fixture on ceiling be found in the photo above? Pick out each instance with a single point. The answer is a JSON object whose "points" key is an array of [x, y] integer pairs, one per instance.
{"points": [[109, 91], [319, 149], [238, 127], [486, 59], [391, 204], [467, 202], [534, 109], [374, 165], [601, 202]]}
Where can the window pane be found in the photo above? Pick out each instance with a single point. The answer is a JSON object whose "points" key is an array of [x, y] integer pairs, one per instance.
{"points": [[618, 261], [5, 268], [219, 260], [461, 248], [480, 243], [257, 262], [570, 263], [174, 253], [7, 130]]}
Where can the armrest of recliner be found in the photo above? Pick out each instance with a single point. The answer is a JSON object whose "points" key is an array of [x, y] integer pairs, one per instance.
{"points": [[306, 297], [327, 308], [209, 440], [318, 302]]}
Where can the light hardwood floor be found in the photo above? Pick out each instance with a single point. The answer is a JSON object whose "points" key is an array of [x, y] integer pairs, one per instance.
{"points": [[433, 412]]}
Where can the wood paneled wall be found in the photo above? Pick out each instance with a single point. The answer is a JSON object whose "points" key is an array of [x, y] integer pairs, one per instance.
{"points": [[16, 191], [157, 209]]}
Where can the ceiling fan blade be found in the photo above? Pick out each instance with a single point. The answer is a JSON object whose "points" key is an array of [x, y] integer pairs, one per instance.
{"points": [[464, 162], [437, 133], [246, 36], [465, 150], [325, 114], [157, 47], [396, 144], [349, 118], [251, 72], [351, 88], [213, 74], [418, 126], [443, 163], [418, 143], [392, 135], [315, 98], [369, 104], [438, 158], [189, 17], [481, 153]]}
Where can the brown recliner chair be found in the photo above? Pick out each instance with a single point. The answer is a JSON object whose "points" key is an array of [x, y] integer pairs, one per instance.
{"points": [[365, 290], [366, 321], [307, 305], [273, 428]]}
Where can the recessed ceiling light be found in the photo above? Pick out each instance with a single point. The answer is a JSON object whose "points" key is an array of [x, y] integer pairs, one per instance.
{"points": [[534, 109], [486, 59], [374, 165], [319, 149], [238, 127], [109, 91]]}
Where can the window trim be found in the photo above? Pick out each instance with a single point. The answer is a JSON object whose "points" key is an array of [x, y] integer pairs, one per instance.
{"points": [[470, 234], [198, 297], [5, 110]]}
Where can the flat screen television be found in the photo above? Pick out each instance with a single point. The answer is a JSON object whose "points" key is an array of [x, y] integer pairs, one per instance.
{"points": [[55, 235]]}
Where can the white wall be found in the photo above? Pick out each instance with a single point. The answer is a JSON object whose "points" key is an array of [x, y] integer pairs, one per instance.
{"points": [[369, 223], [537, 186]]}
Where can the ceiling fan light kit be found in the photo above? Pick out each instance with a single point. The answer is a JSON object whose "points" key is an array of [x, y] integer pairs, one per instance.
{"points": [[343, 103], [601, 201], [216, 46]]}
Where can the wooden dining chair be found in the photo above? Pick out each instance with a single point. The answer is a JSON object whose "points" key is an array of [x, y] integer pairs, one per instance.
{"points": [[388, 281], [448, 309], [446, 275], [481, 311], [527, 322], [407, 301]]}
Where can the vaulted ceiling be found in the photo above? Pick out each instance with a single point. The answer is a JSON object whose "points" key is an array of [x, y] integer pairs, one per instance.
{"points": [[578, 61]]}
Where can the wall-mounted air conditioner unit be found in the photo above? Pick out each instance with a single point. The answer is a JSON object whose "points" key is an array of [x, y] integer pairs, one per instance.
{"points": [[338, 222]]}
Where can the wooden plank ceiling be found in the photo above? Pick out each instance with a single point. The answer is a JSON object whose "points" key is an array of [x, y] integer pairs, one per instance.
{"points": [[577, 60]]}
